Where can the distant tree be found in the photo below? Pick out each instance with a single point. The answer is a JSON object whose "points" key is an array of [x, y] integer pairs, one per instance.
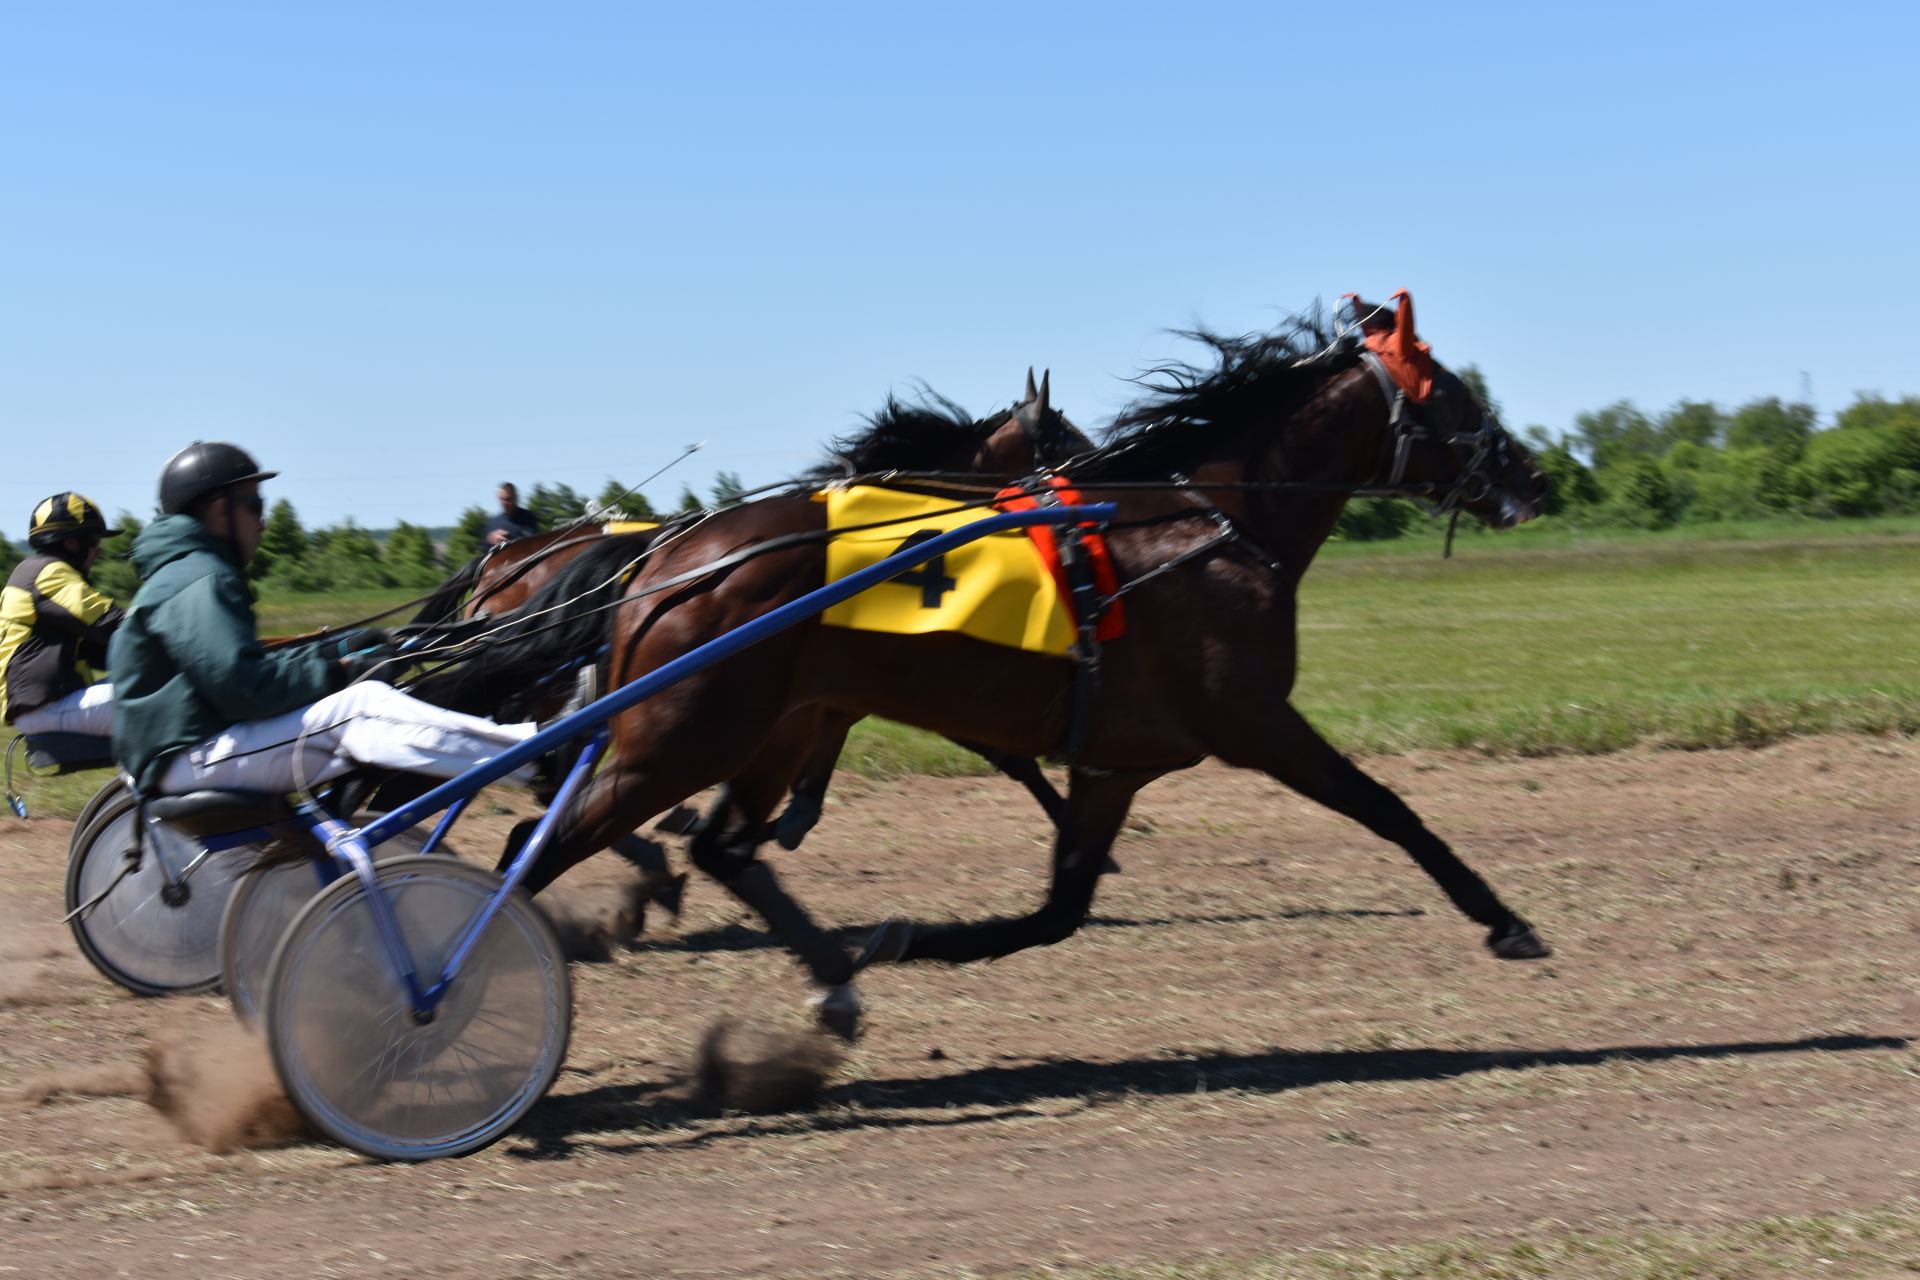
{"points": [[1615, 433], [411, 559], [1771, 424], [1640, 495], [630, 503], [1375, 519], [10, 556], [113, 573], [283, 544], [1697, 422], [689, 500], [1871, 411], [1573, 486], [468, 536], [347, 559], [1477, 383], [725, 485], [556, 505]]}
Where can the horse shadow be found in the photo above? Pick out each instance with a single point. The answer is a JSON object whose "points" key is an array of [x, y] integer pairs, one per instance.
{"points": [[736, 936], [662, 1114]]}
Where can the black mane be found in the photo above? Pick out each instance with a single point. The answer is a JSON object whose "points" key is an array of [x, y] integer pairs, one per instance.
{"points": [[565, 620], [923, 434], [1190, 413]]}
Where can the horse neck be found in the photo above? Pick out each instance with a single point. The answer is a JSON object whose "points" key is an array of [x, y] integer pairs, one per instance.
{"points": [[1337, 438], [1006, 452]]}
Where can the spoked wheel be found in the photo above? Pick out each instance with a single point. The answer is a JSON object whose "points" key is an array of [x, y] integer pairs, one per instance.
{"points": [[263, 904], [346, 1044], [152, 938]]}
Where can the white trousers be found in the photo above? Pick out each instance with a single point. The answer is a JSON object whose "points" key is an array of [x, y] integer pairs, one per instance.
{"points": [[88, 710], [364, 724]]}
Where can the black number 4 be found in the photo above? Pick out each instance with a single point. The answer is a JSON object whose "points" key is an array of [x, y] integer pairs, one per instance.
{"points": [[930, 577]]}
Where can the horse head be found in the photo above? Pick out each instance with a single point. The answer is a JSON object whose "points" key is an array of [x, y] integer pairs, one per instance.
{"points": [[1034, 434], [1442, 442]]}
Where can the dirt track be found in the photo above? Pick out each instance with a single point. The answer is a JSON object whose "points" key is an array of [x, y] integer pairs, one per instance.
{"points": [[1275, 1034]]}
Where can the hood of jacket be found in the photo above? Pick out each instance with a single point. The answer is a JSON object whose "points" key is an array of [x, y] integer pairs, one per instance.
{"points": [[172, 538]]}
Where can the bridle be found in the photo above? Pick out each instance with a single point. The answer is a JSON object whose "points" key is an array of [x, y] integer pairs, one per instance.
{"points": [[1408, 426]]}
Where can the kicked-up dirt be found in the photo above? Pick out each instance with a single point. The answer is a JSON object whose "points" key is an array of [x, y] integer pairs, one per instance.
{"points": [[1274, 1033]]}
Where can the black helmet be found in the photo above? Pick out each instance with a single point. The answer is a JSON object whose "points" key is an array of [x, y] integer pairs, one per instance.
{"points": [[63, 516], [203, 467]]}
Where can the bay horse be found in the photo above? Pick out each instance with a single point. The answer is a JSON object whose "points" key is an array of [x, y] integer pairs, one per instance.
{"points": [[544, 593], [1227, 481]]}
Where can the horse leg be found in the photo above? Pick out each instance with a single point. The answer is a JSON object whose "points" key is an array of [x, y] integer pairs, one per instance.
{"points": [[726, 848], [1024, 770], [810, 787], [1096, 806], [1293, 752]]}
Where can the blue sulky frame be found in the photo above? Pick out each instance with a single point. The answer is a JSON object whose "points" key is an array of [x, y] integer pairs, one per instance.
{"points": [[354, 847]]}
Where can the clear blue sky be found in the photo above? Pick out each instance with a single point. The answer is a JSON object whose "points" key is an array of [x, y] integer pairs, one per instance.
{"points": [[403, 251]]}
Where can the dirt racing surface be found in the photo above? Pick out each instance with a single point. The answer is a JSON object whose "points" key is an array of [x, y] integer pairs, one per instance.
{"points": [[1275, 1033]]}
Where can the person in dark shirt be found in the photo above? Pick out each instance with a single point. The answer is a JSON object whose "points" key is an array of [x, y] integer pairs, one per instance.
{"points": [[514, 520]]}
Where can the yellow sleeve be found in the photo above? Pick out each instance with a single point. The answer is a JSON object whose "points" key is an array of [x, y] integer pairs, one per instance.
{"points": [[61, 584]]}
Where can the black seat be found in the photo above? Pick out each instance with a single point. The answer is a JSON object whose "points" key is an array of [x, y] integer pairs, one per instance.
{"points": [[68, 752], [219, 813]]}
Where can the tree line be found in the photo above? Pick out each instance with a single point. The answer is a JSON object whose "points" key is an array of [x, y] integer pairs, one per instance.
{"points": [[1619, 466], [347, 557], [1696, 463]]}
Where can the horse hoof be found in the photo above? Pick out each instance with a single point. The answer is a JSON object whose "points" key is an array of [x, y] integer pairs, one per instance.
{"points": [[837, 1009], [801, 815], [887, 944], [1517, 941], [680, 821]]}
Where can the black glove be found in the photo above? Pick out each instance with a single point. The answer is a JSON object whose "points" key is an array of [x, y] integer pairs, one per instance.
{"points": [[363, 652], [344, 644]]}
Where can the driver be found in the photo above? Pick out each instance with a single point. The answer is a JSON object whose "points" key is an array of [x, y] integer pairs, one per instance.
{"points": [[54, 625], [201, 705]]}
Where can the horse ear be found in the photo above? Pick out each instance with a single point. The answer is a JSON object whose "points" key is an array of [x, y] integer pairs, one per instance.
{"points": [[1370, 316], [1031, 393], [1403, 333], [1046, 377]]}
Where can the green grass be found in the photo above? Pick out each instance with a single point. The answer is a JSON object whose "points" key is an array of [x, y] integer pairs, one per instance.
{"points": [[1882, 1242], [1684, 643]]}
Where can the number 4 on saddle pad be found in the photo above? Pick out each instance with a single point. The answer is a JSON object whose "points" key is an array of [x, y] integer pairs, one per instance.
{"points": [[998, 589]]}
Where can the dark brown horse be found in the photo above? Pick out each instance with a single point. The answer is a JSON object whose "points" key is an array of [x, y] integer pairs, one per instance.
{"points": [[544, 593], [1227, 480]]}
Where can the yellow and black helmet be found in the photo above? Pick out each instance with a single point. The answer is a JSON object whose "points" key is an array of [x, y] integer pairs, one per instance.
{"points": [[63, 516]]}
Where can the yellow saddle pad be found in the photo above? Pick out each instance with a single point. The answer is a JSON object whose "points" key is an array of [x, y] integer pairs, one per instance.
{"points": [[994, 589]]}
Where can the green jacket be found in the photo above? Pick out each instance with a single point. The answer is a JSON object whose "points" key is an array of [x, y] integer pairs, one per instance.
{"points": [[187, 660]]}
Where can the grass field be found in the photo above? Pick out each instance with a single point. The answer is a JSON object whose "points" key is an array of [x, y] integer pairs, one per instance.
{"points": [[1534, 643]]}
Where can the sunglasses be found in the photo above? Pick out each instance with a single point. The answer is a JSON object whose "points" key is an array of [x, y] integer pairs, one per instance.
{"points": [[252, 504]]}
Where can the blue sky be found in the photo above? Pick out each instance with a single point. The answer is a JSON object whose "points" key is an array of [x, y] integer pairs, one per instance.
{"points": [[403, 251]]}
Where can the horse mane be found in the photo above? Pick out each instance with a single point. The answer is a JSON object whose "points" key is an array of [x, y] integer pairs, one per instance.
{"points": [[1191, 414], [566, 619], [906, 435], [446, 599], [929, 433]]}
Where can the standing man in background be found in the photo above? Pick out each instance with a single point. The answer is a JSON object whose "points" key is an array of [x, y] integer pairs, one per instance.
{"points": [[514, 520]]}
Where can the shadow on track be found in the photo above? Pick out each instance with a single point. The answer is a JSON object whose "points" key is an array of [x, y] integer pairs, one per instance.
{"points": [[740, 937], [666, 1119]]}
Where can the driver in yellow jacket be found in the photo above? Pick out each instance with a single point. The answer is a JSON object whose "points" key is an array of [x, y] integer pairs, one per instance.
{"points": [[54, 625]]}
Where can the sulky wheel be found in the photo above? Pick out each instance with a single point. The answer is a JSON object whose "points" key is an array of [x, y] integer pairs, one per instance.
{"points": [[111, 790], [363, 1069], [263, 905], [152, 938]]}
